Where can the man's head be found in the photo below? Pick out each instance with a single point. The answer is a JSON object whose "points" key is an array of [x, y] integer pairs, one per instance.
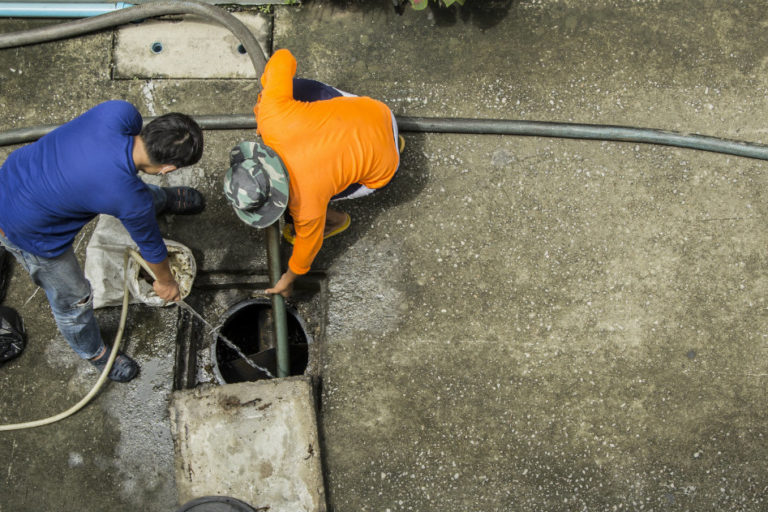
{"points": [[256, 184], [174, 140]]}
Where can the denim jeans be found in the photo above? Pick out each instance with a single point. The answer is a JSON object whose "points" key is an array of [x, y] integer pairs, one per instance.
{"points": [[69, 292]]}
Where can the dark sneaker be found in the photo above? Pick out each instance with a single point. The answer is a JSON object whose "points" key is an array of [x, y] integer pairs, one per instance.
{"points": [[183, 201], [123, 369]]}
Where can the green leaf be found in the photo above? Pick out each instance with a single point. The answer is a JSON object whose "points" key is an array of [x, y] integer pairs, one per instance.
{"points": [[419, 5]]}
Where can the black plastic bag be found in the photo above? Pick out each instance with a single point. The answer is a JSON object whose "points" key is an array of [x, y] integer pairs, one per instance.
{"points": [[13, 336]]}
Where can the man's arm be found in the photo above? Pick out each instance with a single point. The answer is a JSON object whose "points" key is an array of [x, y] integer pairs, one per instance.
{"points": [[285, 285], [165, 285], [309, 238], [145, 232]]}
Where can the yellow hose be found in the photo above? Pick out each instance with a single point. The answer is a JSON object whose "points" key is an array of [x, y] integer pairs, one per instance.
{"points": [[118, 338]]}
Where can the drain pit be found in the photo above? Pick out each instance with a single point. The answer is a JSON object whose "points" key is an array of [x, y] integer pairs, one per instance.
{"points": [[248, 325]]}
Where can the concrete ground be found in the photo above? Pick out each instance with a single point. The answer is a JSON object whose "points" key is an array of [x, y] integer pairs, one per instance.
{"points": [[515, 324]]}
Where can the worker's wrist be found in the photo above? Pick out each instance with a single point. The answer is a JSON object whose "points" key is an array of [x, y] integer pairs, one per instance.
{"points": [[290, 275], [291, 271]]}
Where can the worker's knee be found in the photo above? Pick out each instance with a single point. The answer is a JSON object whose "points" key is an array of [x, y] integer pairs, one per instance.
{"points": [[73, 308]]}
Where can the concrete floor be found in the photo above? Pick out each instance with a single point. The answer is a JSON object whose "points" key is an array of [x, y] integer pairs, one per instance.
{"points": [[516, 323]]}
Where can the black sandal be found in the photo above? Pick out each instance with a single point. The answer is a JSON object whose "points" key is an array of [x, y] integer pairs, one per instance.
{"points": [[183, 201], [123, 369]]}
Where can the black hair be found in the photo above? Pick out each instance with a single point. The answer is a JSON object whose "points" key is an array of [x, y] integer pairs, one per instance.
{"points": [[174, 139]]}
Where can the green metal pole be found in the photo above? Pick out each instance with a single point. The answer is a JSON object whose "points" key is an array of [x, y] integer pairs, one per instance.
{"points": [[279, 317]]}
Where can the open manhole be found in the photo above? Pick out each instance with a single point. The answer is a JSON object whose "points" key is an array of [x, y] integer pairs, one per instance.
{"points": [[248, 325], [216, 504]]}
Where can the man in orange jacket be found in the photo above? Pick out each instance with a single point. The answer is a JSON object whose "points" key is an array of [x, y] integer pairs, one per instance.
{"points": [[330, 145]]}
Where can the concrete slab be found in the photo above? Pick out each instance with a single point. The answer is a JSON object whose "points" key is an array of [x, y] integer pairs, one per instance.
{"points": [[254, 441], [187, 48]]}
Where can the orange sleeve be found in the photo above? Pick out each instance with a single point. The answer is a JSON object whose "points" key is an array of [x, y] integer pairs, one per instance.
{"points": [[277, 79], [309, 239]]}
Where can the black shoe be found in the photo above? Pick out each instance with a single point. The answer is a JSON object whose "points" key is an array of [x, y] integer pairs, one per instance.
{"points": [[123, 369], [183, 201]]}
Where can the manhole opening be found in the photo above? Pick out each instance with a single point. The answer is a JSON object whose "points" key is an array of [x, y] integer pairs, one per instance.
{"points": [[216, 504], [249, 326]]}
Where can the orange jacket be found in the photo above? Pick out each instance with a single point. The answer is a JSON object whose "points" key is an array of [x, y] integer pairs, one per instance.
{"points": [[325, 145]]}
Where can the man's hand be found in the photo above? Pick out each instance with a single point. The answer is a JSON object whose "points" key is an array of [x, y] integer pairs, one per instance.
{"points": [[167, 291], [165, 285], [285, 285]]}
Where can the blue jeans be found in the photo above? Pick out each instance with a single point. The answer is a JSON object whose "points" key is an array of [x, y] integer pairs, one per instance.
{"points": [[69, 292]]}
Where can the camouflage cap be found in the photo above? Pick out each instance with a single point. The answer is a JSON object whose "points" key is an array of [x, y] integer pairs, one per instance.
{"points": [[256, 184]]}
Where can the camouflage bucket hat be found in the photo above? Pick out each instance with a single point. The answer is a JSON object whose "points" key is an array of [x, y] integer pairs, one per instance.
{"points": [[256, 184]]}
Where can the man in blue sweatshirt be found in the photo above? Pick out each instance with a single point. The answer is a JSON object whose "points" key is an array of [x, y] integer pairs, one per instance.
{"points": [[51, 188]]}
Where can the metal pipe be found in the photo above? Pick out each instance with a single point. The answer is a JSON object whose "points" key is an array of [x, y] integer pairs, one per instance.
{"points": [[279, 315], [485, 127], [57, 10]]}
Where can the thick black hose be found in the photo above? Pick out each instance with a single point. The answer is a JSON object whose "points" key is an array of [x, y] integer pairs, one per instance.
{"points": [[487, 127], [24, 135], [413, 124], [206, 122], [140, 12], [584, 131]]}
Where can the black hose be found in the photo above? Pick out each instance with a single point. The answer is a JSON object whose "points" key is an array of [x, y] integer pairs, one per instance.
{"points": [[206, 122], [23, 135], [484, 127], [584, 131], [140, 12], [413, 124]]}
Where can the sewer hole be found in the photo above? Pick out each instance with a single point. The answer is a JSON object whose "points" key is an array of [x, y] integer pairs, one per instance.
{"points": [[156, 47], [249, 326]]}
